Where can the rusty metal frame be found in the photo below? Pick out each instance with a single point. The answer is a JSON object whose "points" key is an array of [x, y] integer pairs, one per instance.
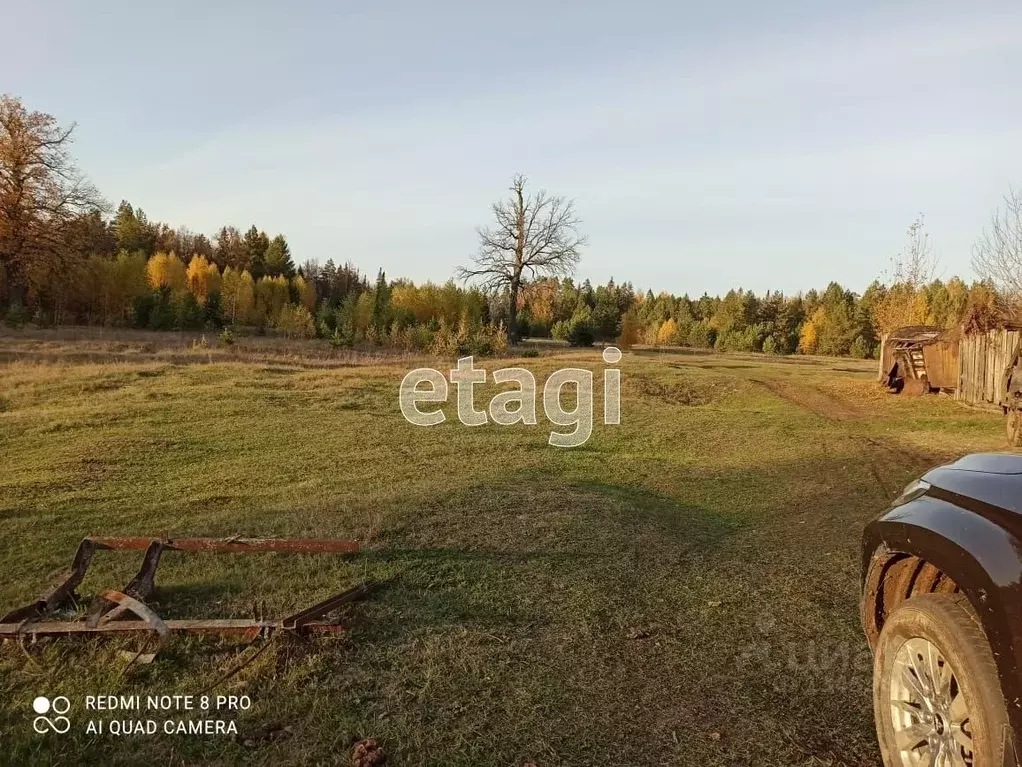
{"points": [[107, 611]]}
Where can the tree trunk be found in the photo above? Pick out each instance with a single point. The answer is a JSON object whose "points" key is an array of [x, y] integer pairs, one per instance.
{"points": [[512, 313]]}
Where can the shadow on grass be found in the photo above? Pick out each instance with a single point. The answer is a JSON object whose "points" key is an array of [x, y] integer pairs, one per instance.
{"points": [[538, 619]]}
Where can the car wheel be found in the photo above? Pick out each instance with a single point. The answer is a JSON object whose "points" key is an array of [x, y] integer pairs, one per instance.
{"points": [[936, 697], [1015, 427]]}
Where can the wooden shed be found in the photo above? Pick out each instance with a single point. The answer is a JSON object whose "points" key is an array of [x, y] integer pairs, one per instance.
{"points": [[988, 343], [923, 354]]}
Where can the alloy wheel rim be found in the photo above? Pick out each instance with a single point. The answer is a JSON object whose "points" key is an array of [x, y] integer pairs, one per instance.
{"points": [[931, 718]]}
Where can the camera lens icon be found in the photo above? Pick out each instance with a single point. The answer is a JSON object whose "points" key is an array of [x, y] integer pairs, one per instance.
{"points": [[59, 705]]}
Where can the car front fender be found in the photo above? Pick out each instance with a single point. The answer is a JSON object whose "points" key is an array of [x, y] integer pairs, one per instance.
{"points": [[977, 549]]}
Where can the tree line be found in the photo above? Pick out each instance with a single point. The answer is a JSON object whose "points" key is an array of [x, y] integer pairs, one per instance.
{"points": [[66, 258]]}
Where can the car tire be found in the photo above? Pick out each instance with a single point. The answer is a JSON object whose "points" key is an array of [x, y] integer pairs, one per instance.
{"points": [[904, 715]]}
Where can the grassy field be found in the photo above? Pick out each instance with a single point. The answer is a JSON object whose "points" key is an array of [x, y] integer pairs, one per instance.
{"points": [[680, 590]]}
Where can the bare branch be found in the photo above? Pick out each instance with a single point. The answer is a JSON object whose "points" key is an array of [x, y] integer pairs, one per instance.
{"points": [[997, 255], [533, 236], [41, 189]]}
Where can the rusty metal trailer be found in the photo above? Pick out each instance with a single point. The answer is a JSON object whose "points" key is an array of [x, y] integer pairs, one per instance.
{"points": [[108, 610]]}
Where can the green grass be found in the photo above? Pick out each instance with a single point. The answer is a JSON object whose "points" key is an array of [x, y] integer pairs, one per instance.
{"points": [[681, 590]]}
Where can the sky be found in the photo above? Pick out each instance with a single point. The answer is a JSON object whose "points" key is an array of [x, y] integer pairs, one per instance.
{"points": [[707, 146]]}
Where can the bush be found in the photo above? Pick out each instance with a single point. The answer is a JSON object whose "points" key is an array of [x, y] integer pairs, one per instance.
{"points": [[861, 349], [700, 336], [448, 341], [745, 340], [190, 314], [15, 317], [579, 330], [227, 337], [326, 320], [769, 345], [214, 312], [161, 311], [295, 322]]}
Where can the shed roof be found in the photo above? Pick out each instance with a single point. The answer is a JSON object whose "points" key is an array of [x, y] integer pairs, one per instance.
{"points": [[919, 333], [981, 318]]}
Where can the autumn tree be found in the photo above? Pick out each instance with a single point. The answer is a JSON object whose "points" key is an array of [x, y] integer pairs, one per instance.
{"points": [[271, 295], [229, 250], [167, 270], [904, 301], [237, 294], [629, 335], [202, 278], [533, 236], [997, 257], [667, 333], [810, 334], [306, 290], [295, 322], [41, 193]]}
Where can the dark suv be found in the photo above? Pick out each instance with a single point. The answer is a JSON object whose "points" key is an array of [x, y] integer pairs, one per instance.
{"points": [[942, 610]]}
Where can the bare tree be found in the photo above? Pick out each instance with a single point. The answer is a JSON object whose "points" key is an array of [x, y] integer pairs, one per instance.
{"points": [[902, 302], [533, 236], [41, 191], [997, 256]]}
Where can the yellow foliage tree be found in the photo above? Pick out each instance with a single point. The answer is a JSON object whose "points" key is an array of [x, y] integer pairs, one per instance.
{"points": [[203, 278], [128, 276], [630, 329], [901, 305], [237, 294], [809, 338], [306, 293], [271, 295], [295, 322], [363, 314], [166, 269], [904, 302], [667, 335]]}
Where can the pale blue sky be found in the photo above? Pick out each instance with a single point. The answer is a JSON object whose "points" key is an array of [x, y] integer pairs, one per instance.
{"points": [[707, 145]]}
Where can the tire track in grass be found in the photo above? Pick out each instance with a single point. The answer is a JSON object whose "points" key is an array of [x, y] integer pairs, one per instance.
{"points": [[880, 453]]}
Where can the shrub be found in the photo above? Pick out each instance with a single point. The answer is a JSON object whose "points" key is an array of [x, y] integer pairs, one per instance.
{"points": [[190, 314], [161, 311], [213, 311], [449, 341], [15, 317], [769, 345], [577, 331], [861, 348], [295, 321], [700, 336], [326, 320], [227, 337]]}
